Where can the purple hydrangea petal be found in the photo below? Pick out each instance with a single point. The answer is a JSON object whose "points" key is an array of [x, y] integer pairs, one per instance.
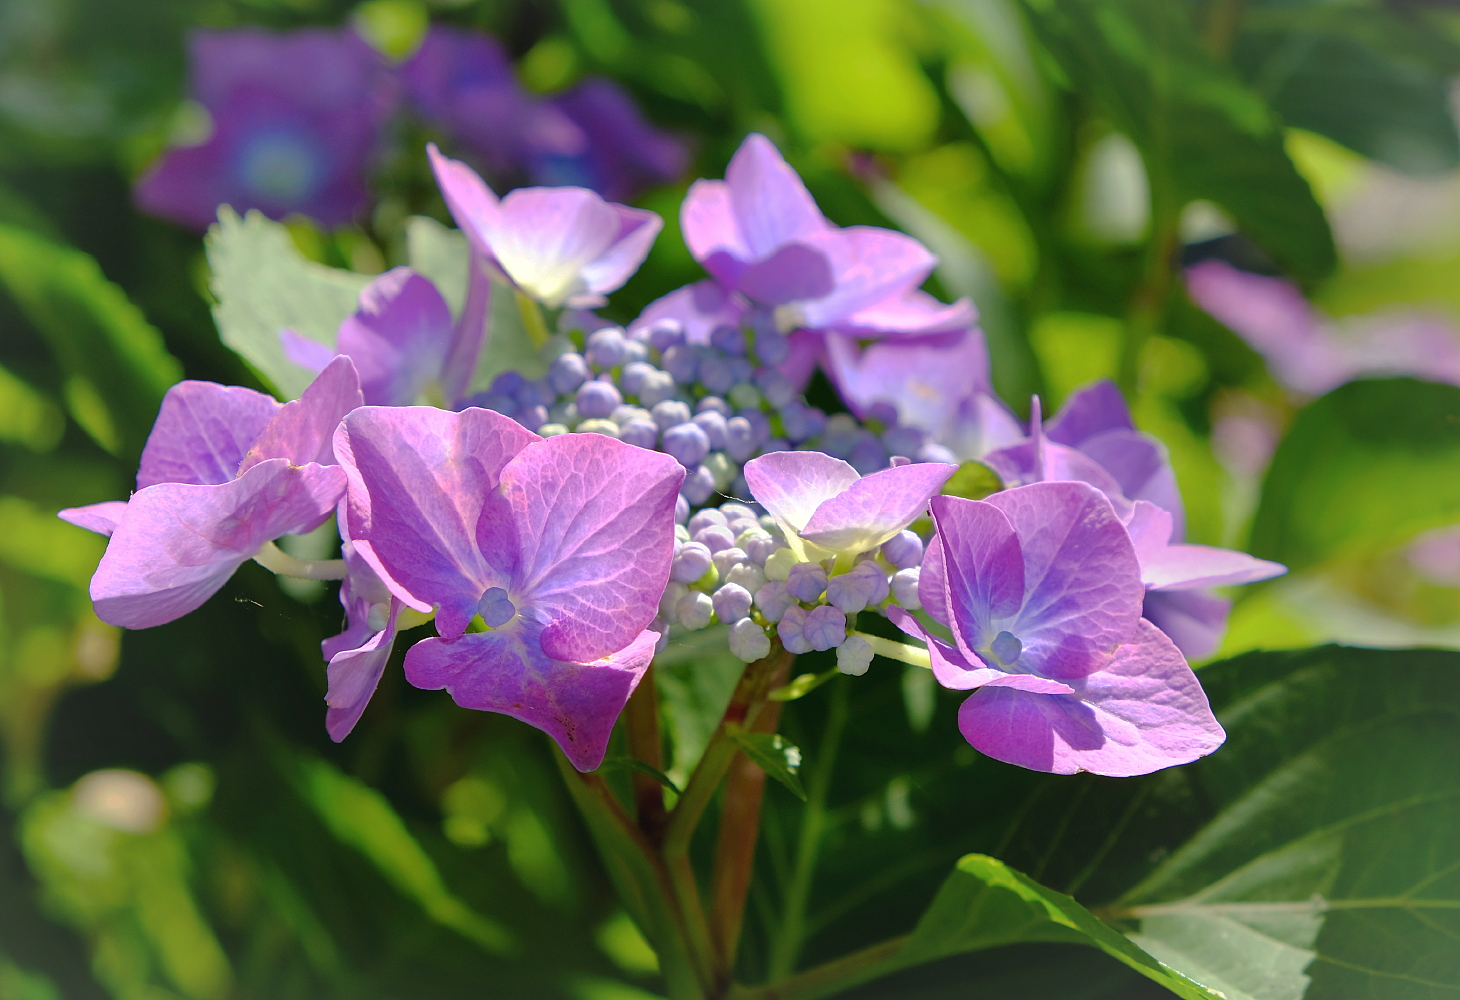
{"points": [[423, 496], [305, 353], [1195, 620], [1144, 711], [101, 518], [957, 672], [933, 583], [398, 338], [874, 508], [596, 539], [202, 433], [1188, 567], [1086, 412], [912, 313], [1038, 461], [984, 572], [303, 431], [870, 266], [793, 272], [1142, 468], [791, 485], [697, 309], [180, 542], [1081, 577], [354, 674], [927, 379], [507, 671]]}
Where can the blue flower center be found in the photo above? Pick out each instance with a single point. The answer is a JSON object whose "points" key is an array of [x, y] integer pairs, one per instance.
{"points": [[281, 167], [1006, 649], [495, 608]]}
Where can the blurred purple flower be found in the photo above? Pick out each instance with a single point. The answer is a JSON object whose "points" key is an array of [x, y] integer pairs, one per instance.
{"points": [[295, 119], [1310, 354], [357, 656], [562, 546], [225, 472], [560, 246], [621, 153], [1041, 589]]}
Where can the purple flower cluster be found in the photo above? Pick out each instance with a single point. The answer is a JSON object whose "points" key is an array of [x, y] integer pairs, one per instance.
{"points": [[669, 474], [297, 120]]}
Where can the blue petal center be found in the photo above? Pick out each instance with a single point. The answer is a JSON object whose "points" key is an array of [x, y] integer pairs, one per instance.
{"points": [[281, 166], [495, 608], [1006, 648]]}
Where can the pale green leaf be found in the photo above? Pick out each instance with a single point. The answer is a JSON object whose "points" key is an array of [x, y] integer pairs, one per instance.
{"points": [[773, 754]]}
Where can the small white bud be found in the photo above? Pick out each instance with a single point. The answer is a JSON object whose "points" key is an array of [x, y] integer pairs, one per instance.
{"points": [[905, 588], [694, 610], [854, 656], [672, 594], [748, 641], [748, 575], [778, 566]]}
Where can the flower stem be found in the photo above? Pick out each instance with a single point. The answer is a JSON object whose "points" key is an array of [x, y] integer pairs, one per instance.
{"points": [[739, 829], [833, 977], [787, 945], [914, 655], [532, 319], [276, 560], [641, 723]]}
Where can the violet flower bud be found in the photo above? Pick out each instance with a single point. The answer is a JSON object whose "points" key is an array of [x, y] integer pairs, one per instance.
{"points": [[681, 509], [740, 439], [699, 485], [741, 371], [795, 420], [777, 388], [666, 333], [864, 585], [791, 629], [839, 436], [732, 602], [905, 588], [729, 339], [733, 510], [682, 363], [691, 562], [532, 417], [499, 401], [824, 628], [635, 352], [656, 387], [883, 412], [727, 559], [771, 346], [597, 399], [688, 445], [867, 454], [761, 549], [715, 374], [903, 550], [567, 373], [806, 582], [854, 656], [606, 347], [641, 433], [706, 518], [716, 538], [508, 383], [694, 610], [714, 404], [621, 415], [760, 423], [906, 441], [672, 593], [537, 393], [748, 641], [773, 600], [631, 379], [713, 424], [670, 413]]}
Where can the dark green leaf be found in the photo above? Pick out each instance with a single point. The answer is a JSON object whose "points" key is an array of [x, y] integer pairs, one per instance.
{"points": [[801, 686], [116, 367], [1362, 469], [1202, 132], [973, 481], [263, 284], [772, 754]]}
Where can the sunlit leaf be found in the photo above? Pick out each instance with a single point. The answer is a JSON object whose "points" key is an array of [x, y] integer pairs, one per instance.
{"points": [[773, 754], [973, 481], [263, 284]]}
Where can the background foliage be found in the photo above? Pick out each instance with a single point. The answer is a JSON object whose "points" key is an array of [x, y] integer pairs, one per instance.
{"points": [[1064, 158]]}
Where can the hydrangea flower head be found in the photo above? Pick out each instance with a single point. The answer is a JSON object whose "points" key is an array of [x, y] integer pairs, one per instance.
{"points": [[561, 246], [1042, 591], [295, 120], [620, 154], [561, 546], [225, 472], [826, 509]]}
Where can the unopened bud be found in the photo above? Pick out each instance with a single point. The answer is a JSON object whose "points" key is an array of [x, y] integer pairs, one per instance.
{"points": [[854, 656], [778, 565], [806, 581], [903, 550], [690, 563], [694, 610], [825, 627], [791, 630], [715, 538], [732, 602], [748, 641], [864, 585], [773, 600], [905, 588], [748, 575]]}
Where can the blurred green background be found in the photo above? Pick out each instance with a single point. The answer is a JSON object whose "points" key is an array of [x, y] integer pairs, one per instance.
{"points": [[176, 822]]}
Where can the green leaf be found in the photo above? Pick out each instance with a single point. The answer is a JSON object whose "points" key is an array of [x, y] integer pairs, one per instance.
{"points": [[985, 903], [1334, 855], [116, 367], [263, 284], [973, 481], [1203, 133], [634, 764], [772, 754], [1362, 469], [802, 685], [360, 816]]}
